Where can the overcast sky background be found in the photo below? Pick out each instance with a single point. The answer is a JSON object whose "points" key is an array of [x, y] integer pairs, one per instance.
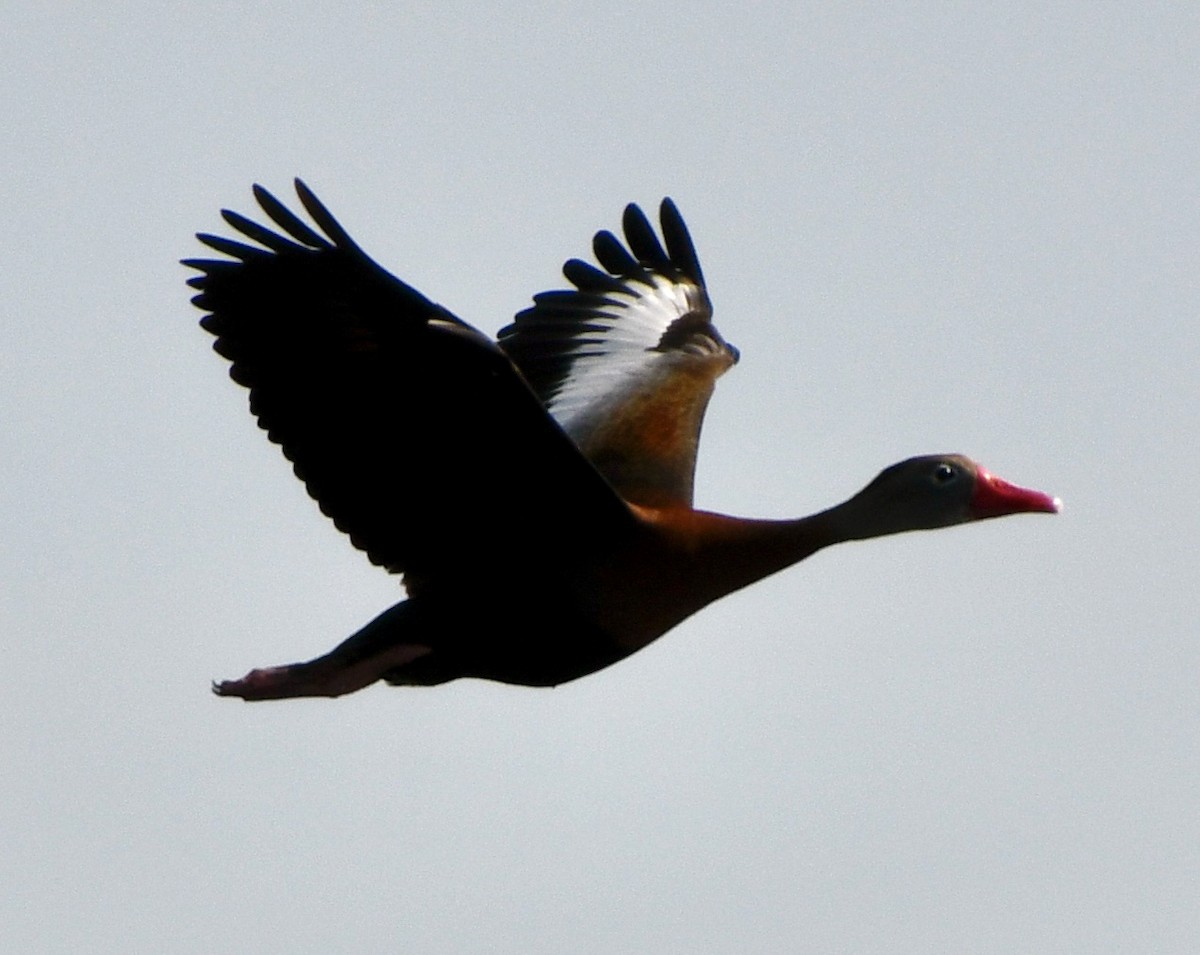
{"points": [[929, 227]]}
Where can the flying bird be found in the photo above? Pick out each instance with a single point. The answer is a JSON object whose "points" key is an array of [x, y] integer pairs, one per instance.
{"points": [[535, 492]]}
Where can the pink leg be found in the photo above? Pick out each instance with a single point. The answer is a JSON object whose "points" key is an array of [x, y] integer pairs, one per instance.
{"points": [[330, 675]]}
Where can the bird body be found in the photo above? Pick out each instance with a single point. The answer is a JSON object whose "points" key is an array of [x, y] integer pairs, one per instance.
{"points": [[586, 414]]}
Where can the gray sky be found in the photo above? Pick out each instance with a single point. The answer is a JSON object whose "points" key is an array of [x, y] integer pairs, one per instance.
{"points": [[928, 227]]}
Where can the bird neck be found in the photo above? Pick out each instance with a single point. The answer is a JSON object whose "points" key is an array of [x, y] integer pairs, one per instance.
{"points": [[686, 559], [859, 518], [739, 551], [696, 557], [723, 554]]}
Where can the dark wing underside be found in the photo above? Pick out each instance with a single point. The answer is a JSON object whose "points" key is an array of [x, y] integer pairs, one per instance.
{"points": [[412, 430], [627, 360]]}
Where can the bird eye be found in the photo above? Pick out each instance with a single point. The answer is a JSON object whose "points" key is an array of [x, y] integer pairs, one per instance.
{"points": [[945, 473]]}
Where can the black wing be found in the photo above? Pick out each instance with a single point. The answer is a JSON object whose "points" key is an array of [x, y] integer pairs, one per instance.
{"points": [[412, 430]]}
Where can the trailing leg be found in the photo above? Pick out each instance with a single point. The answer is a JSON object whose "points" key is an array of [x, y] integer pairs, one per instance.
{"points": [[389, 641]]}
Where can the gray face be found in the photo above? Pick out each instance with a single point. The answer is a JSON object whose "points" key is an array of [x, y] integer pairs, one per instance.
{"points": [[918, 494]]}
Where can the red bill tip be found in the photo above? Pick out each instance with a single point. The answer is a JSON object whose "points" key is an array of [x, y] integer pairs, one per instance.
{"points": [[995, 497]]}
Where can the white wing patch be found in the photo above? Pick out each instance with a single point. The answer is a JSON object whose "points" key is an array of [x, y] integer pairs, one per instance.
{"points": [[626, 361], [618, 353]]}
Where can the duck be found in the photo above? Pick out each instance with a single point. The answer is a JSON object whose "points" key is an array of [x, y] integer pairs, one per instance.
{"points": [[534, 492]]}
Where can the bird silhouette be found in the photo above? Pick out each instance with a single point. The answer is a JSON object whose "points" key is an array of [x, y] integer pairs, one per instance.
{"points": [[535, 492]]}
